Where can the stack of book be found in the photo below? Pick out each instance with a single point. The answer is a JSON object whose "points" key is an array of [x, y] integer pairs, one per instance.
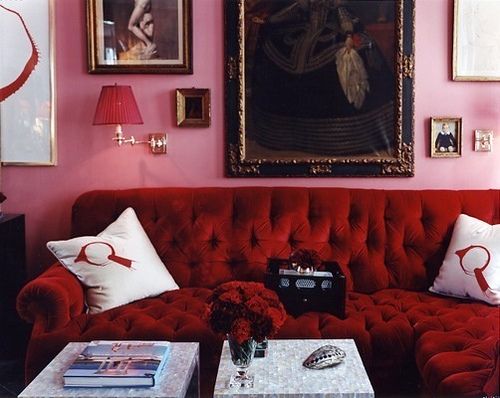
{"points": [[118, 364]]}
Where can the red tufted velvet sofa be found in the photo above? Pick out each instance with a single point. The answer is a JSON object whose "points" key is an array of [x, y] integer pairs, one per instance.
{"points": [[390, 245]]}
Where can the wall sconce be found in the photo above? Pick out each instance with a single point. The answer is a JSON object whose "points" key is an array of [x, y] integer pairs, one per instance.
{"points": [[117, 106]]}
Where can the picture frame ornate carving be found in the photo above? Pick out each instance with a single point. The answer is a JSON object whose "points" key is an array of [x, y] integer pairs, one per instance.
{"points": [[276, 121], [157, 38]]}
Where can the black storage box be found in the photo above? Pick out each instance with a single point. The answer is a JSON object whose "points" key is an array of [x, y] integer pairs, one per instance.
{"points": [[323, 291]]}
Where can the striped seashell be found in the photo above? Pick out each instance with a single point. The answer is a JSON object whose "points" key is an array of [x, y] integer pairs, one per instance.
{"points": [[324, 357]]}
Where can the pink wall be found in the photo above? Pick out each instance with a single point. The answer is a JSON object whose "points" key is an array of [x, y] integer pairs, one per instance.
{"points": [[89, 160]]}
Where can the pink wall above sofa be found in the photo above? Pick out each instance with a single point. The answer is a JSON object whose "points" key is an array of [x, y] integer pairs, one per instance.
{"points": [[88, 159]]}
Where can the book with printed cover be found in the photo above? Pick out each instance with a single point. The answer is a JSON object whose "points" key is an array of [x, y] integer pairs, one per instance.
{"points": [[118, 364]]}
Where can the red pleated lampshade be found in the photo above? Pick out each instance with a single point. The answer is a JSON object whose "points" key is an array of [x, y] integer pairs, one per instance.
{"points": [[117, 105]]}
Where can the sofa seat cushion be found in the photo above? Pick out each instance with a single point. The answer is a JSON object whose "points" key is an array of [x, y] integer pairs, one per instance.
{"points": [[459, 353], [387, 326], [174, 315], [458, 363], [457, 346], [387, 320]]}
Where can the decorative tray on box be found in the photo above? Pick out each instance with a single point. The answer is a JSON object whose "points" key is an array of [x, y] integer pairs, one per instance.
{"points": [[322, 291]]}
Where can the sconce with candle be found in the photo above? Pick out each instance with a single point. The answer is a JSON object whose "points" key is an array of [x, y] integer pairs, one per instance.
{"points": [[117, 106]]}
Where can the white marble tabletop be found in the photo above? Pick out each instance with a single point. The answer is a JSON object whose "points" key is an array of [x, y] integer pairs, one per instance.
{"points": [[281, 373], [180, 369]]}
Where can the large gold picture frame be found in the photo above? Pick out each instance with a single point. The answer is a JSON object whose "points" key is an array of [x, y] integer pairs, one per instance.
{"points": [[28, 114], [319, 89], [141, 36]]}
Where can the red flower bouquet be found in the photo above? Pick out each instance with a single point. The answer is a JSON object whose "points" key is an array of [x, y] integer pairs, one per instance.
{"points": [[245, 310]]}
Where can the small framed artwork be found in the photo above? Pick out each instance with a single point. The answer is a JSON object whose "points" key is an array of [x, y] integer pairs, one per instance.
{"points": [[483, 140], [193, 107], [446, 137], [475, 40], [140, 36]]}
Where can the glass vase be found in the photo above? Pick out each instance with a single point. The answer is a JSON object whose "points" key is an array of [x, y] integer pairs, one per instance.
{"points": [[242, 356]]}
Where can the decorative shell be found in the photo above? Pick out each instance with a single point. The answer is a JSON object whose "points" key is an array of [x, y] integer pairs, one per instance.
{"points": [[324, 357]]}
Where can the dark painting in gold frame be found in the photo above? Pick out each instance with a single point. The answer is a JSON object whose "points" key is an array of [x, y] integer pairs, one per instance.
{"points": [[139, 36], [193, 107], [319, 88]]}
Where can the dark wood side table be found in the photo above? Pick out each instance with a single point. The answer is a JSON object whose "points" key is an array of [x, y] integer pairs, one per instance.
{"points": [[12, 277]]}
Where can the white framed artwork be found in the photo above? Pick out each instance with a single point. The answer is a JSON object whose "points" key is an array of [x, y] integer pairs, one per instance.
{"points": [[27, 87], [483, 140], [476, 34]]}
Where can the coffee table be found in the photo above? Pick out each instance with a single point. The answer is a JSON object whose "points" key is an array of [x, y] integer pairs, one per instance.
{"points": [[281, 373], [179, 379]]}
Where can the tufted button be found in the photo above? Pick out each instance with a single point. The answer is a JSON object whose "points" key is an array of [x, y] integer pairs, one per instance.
{"points": [[232, 263], [332, 240], [254, 241], [214, 242], [386, 317], [408, 246], [371, 241]]}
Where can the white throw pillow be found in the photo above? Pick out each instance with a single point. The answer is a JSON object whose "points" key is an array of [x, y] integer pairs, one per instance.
{"points": [[118, 266], [471, 267]]}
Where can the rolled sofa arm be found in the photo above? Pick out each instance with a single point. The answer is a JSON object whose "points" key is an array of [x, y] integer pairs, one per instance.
{"points": [[50, 300]]}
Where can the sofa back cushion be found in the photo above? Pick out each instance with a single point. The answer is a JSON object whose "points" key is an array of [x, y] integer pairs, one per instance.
{"points": [[207, 236]]}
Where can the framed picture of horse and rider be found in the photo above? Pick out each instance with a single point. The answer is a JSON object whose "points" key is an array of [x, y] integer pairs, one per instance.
{"points": [[139, 36], [319, 88]]}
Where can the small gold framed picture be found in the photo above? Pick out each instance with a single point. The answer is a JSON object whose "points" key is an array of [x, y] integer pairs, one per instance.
{"points": [[446, 137], [483, 140], [193, 107]]}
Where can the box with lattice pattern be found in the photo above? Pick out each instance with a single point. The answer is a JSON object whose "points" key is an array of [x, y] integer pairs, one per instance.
{"points": [[321, 291]]}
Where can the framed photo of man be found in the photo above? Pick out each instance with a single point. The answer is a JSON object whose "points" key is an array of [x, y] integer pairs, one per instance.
{"points": [[139, 36], [446, 137], [319, 88]]}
